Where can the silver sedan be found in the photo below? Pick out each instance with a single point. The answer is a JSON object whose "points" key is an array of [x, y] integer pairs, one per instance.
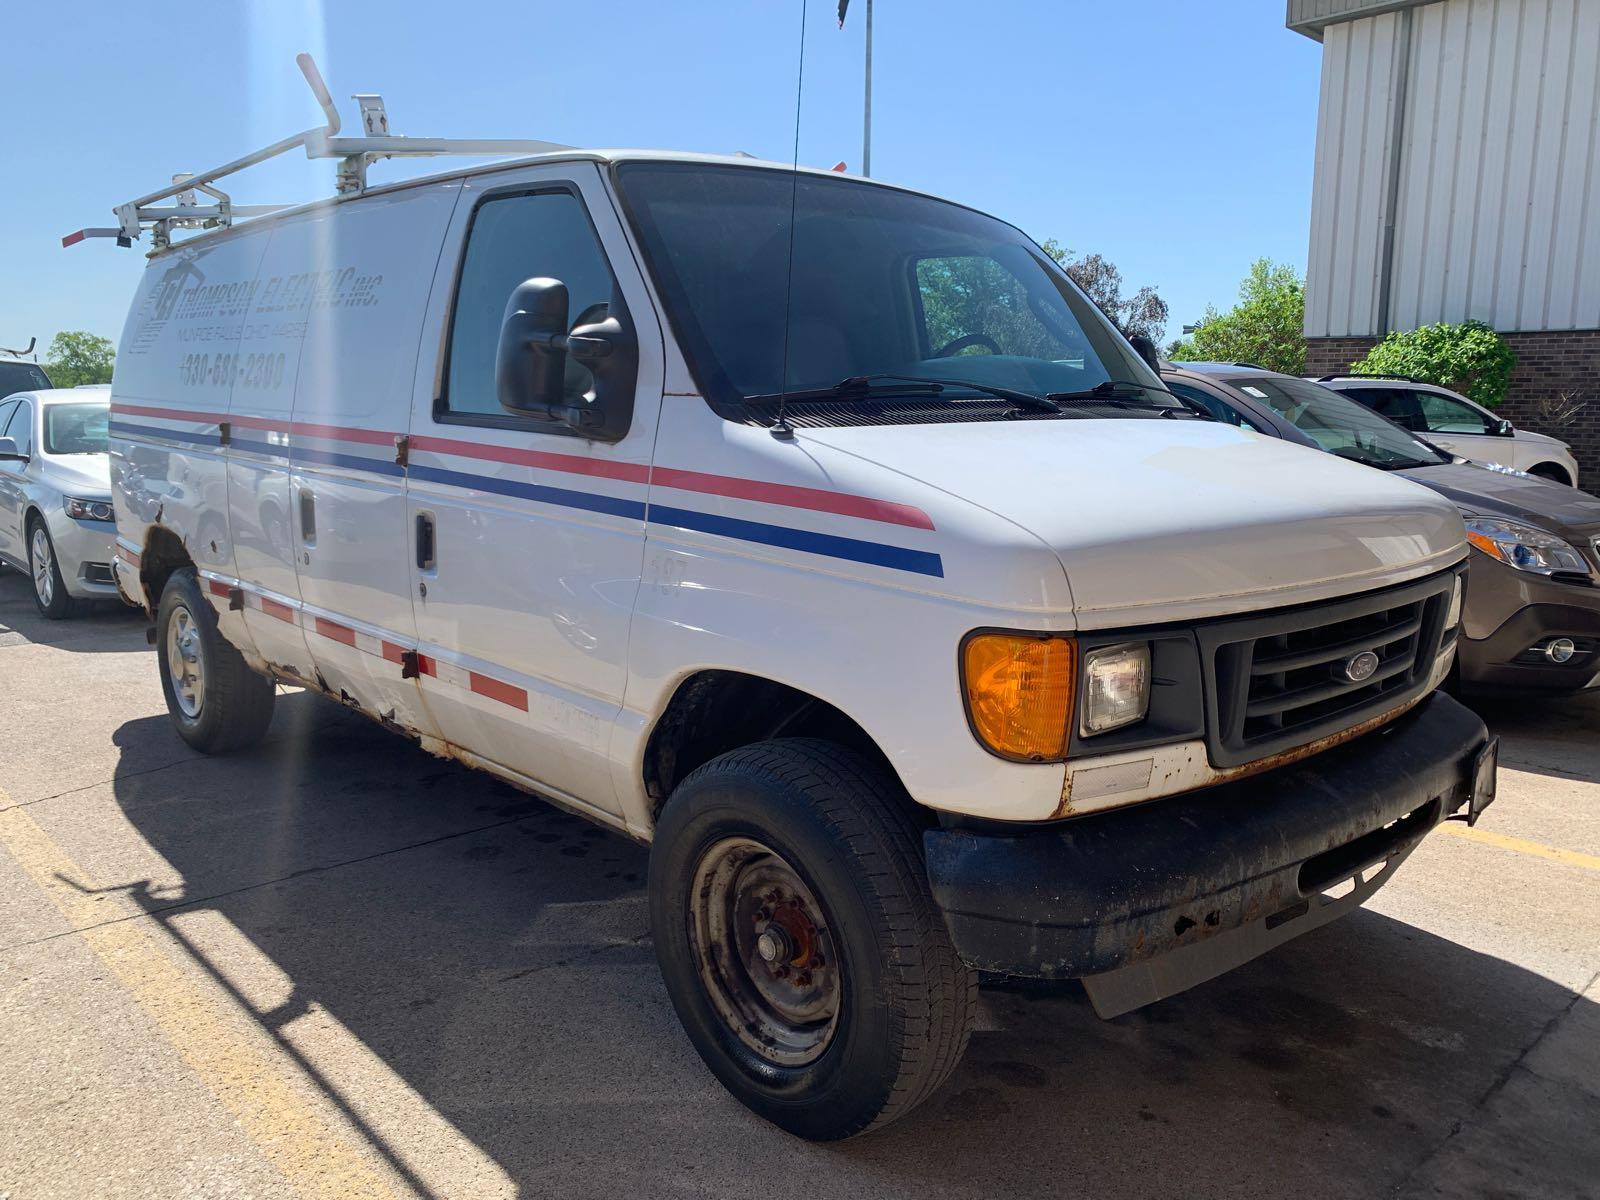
{"points": [[56, 521]]}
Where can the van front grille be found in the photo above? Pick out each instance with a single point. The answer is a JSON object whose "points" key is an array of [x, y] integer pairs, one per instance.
{"points": [[1283, 680]]}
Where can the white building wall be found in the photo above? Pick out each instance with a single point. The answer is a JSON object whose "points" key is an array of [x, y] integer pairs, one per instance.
{"points": [[1498, 213]]}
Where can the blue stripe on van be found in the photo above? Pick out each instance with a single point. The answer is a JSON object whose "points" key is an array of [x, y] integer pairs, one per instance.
{"points": [[922, 562], [588, 501], [169, 435], [898, 558]]}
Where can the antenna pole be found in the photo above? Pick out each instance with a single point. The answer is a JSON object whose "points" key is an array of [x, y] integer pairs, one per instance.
{"points": [[781, 429], [866, 119]]}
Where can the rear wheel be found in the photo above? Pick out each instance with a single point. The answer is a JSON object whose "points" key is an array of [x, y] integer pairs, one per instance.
{"points": [[799, 942], [217, 702], [49, 590]]}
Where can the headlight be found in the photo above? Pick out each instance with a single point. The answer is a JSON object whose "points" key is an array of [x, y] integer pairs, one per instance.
{"points": [[1116, 687], [1018, 688], [1524, 547], [88, 510]]}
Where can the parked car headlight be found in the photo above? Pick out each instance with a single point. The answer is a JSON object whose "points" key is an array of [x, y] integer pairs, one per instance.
{"points": [[1524, 547], [88, 510], [1116, 687]]}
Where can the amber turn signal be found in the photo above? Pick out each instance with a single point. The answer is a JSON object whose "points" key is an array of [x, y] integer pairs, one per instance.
{"points": [[1019, 690]]}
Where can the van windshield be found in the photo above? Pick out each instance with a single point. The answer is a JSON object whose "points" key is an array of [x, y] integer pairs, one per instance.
{"points": [[887, 286]]}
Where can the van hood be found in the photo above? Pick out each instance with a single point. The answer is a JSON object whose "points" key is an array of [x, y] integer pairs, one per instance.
{"points": [[1527, 498], [1161, 520]]}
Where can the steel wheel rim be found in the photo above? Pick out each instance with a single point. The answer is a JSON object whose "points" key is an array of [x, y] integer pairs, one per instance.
{"points": [[44, 579], [764, 952], [185, 662]]}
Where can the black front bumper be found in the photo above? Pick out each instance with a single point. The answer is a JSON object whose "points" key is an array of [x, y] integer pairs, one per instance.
{"points": [[1244, 863]]}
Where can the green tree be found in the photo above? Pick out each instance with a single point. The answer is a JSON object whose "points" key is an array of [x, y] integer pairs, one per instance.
{"points": [[1266, 326], [1143, 312], [1470, 358], [76, 357]]}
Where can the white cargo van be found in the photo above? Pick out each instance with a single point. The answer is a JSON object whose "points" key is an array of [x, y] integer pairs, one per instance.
{"points": [[896, 605]]}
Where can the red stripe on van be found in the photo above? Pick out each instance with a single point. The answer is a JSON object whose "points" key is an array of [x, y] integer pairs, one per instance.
{"points": [[217, 588], [426, 666], [273, 609], [394, 653], [167, 414], [128, 556], [791, 496], [570, 464], [333, 631], [495, 690], [371, 437]]}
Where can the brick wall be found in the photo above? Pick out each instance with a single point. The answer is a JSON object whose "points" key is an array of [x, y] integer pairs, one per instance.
{"points": [[1549, 365]]}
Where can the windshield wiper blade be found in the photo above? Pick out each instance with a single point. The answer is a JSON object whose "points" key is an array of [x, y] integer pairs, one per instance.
{"points": [[1111, 391], [863, 387]]}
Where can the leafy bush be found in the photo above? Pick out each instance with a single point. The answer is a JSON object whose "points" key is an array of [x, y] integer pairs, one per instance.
{"points": [[1470, 358], [76, 357], [1266, 327]]}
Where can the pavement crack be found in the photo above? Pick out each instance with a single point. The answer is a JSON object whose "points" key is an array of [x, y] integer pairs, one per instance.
{"points": [[98, 783], [322, 868], [1497, 1085]]}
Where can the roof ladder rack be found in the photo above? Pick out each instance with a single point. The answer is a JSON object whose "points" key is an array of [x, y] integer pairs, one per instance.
{"points": [[354, 156]]}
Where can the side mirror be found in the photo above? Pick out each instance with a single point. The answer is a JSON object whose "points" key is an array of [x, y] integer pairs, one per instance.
{"points": [[584, 379], [1505, 428], [9, 452], [1146, 349]]}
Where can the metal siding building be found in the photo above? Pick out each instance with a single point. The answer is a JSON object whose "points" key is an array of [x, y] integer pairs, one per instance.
{"points": [[1458, 176]]}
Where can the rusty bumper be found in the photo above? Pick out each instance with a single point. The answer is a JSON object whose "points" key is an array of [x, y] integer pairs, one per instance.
{"points": [[1198, 883]]}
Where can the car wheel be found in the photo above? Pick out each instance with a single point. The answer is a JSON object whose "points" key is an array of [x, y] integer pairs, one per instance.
{"points": [[217, 702], [49, 590], [799, 942], [1552, 472]]}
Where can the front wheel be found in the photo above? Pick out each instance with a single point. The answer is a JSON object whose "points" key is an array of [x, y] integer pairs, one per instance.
{"points": [[49, 589], [799, 942], [217, 702]]}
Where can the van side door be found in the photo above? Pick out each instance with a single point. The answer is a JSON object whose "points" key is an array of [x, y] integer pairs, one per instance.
{"points": [[527, 535], [374, 260]]}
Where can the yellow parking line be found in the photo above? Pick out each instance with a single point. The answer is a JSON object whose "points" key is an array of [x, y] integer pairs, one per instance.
{"points": [[256, 1088], [1571, 858]]}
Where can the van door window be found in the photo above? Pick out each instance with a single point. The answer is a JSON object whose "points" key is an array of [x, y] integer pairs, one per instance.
{"points": [[514, 238]]}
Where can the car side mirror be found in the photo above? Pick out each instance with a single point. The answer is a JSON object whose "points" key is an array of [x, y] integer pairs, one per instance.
{"points": [[1505, 428], [9, 451], [532, 375], [1146, 349]]}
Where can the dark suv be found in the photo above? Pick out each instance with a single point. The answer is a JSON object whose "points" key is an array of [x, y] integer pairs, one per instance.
{"points": [[1532, 621]]}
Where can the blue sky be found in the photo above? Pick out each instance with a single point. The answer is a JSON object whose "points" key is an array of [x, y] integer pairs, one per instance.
{"points": [[1174, 137]]}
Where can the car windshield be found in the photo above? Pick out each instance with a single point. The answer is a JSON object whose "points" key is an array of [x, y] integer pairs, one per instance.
{"points": [[76, 428], [21, 377], [887, 286], [1340, 425]]}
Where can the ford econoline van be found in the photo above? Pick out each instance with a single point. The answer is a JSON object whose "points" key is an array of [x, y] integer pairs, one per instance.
{"points": [[890, 598]]}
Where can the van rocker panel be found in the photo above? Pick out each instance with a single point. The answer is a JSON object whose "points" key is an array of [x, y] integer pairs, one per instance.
{"points": [[1102, 892]]}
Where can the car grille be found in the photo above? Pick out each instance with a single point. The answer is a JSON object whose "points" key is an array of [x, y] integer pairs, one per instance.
{"points": [[1283, 680]]}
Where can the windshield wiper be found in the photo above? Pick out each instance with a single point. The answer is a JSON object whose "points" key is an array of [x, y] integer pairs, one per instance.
{"points": [[1119, 393], [862, 387]]}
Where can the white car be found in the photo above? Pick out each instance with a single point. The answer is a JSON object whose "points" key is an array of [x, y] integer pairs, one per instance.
{"points": [[55, 495], [1463, 427], [896, 604]]}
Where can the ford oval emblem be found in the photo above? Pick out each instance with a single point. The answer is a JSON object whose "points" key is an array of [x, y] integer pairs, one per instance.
{"points": [[1359, 668]]}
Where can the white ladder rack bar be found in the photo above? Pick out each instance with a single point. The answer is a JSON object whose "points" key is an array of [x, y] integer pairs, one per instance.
{"points": [[355, 154]]}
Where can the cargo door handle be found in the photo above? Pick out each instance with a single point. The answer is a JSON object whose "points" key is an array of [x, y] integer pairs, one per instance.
{"points": [[308, 516], [425, 547]]}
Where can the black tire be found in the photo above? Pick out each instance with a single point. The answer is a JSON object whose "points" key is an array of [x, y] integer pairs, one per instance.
{"points": [[234, 705], [60, 605], [846, 828], [1551, 472]]}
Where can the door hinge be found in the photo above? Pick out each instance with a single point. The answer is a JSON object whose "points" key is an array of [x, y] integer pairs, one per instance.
{"points": [[402, 450], [224, 434], [410, 668]]}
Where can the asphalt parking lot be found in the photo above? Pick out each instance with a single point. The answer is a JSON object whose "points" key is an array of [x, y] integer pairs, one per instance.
{"points": [[337, 966]]}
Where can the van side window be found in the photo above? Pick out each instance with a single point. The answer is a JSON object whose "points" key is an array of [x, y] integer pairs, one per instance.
{"points": [[514, 238]]}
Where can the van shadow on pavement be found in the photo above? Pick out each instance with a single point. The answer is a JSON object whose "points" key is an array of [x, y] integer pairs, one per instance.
{"points": [[493, 953]]}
